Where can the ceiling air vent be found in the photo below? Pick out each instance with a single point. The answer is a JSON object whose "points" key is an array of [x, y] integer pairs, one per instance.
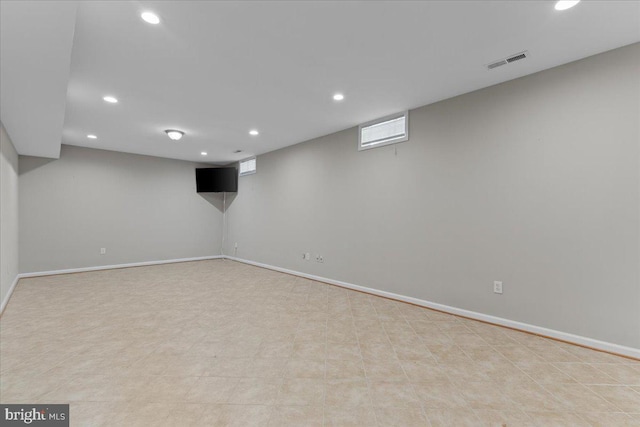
{"points": [[517, 57], [496, 64], [508, 60]]}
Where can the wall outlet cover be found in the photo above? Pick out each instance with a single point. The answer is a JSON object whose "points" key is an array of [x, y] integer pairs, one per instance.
{"points": [[497, 287]]}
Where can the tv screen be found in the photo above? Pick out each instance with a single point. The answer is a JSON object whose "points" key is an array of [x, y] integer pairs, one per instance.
{"points": [[217, 180]]}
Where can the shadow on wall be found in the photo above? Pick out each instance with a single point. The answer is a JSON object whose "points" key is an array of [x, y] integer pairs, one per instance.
{"points": [[33, 164], [220, 201]]}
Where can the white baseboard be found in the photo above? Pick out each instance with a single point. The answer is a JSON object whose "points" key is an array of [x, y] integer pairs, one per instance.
{"points": [[96, 268], [6, 297], [111, 267], [551, 333], [563, 336]]}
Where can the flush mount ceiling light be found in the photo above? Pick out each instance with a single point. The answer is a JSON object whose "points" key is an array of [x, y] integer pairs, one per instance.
{"points": [[150, 18], [91, 136], [110, 99], [254, 132], [204, 153], [566, 4], [338, 97], [174, 134]]}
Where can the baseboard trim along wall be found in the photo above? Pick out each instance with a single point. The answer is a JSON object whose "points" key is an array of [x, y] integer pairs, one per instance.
{"points": [[512, 324], [594, 344], [5, 301], [96, 268], [111, 267]]}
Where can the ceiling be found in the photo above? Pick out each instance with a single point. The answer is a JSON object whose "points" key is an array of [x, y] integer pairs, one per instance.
{"points": [[218, 69]]}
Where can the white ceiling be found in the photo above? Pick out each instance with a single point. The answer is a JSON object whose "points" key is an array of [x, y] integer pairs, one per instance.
{"points": [[218, 69]]}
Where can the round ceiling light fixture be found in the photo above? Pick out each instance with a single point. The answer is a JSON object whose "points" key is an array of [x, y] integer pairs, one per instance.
{"points": [[338, 97], [566, 4], [254, 132], [92, 136], [110, 99], [174, 134], [204, 153], [150, 17]]}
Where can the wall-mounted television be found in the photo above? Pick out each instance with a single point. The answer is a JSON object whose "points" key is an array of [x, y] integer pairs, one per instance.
{"points": [[217, 180]]}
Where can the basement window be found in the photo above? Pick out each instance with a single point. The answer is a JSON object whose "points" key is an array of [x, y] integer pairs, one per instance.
{"points": [[387, 130], [248, 166]]}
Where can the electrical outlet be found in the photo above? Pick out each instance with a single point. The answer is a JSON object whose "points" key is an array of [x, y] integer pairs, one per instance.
{"points": [[306, 256], [103, 251], [497, 287], [319, 258]]}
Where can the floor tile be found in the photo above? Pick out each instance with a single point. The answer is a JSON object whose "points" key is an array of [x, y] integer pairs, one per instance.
{"points": [[301, 391], [623, 397], [295, 416], [452, 417], [349, 417], [211, 390], [347, 393], [256, 391], [401, 417], [219, 343], [240, 416]]}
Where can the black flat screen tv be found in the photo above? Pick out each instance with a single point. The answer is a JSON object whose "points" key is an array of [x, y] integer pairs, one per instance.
{"points": [[217, 180]]}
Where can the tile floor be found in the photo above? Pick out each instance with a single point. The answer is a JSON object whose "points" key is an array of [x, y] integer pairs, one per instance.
{"points": [[218, 343]]}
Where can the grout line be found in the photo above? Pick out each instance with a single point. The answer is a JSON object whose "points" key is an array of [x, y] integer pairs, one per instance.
{"points": [[422, 406], [604, 398], [375, 314], [364, 371], [328, 282], [326, 355]]}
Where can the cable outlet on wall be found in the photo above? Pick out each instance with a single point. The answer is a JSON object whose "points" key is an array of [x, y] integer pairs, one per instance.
{"points": [[103, 251], [319, 258], [497, 287]]}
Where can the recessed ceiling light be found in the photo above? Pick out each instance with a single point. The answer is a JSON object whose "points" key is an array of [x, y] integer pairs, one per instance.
{"points": [[338, 97], [90, 136], [204, 153], [174, 134], [566, 4], [254, 132], [150, 17], [110, 99]]}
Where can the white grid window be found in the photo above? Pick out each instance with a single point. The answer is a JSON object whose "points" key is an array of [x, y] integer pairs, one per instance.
{"points": [[387, 130], [248, 166]]}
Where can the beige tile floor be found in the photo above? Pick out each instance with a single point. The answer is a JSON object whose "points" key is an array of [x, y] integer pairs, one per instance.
{"points": [[218, 343]]}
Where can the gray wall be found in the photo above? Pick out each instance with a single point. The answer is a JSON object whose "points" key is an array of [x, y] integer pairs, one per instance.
{"points": [[534, 182], [8, 213], [140, 208]]}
